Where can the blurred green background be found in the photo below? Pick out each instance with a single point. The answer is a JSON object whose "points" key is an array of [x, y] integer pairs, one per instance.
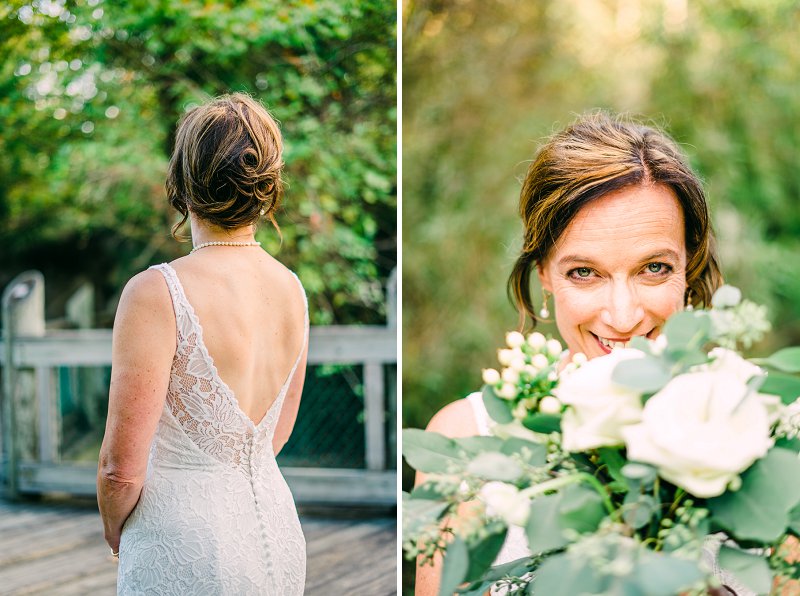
{"points": [[485, 81], [90, 93]]}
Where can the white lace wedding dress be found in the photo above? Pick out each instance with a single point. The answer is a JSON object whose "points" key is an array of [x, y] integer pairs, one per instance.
{"points": [[215, 515], [516, 544]]}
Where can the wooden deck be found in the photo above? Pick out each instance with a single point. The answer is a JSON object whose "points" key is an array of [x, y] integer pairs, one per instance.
{"points": [[58, 549]]}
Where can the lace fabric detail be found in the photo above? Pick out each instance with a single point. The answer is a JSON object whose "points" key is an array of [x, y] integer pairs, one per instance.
{"points": [[215, 515]]}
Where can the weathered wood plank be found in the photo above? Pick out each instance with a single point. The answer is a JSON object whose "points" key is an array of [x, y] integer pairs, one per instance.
{"points": [[58, 549], [308, 485], [333, 344]]}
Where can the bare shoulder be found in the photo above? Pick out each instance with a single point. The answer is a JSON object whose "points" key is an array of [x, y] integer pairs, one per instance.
{"points": [[146, 290], [456, 419]]}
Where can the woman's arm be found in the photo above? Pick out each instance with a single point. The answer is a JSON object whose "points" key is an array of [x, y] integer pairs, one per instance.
{"points": [[143, 346], [454, 420]]}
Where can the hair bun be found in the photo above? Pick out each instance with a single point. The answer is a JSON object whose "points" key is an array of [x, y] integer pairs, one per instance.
{"points": [[227, 163]]}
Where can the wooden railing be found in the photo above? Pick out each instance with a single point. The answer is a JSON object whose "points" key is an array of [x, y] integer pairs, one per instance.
{"points": [[30, 355]]}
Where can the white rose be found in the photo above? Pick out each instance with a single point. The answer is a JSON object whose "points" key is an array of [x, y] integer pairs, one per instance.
{"points": [[506, 501], [507, 391], [599, 408], [514, 339], [490, 376], [536, 340], [699, 433], [729, 362]]}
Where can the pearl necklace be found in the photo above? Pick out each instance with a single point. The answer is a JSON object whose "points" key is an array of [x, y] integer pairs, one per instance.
{"points": [[218, 243]]}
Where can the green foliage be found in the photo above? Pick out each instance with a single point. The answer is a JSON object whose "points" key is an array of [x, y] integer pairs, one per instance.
{"points": [[89, 98], [760, 509], [752, 570]]}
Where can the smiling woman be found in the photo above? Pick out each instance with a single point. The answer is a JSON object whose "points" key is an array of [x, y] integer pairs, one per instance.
{"points": [[618, 232], [618, 270]]}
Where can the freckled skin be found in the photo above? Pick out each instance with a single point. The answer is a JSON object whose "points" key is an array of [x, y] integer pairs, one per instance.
{"points": [[619, 269]]}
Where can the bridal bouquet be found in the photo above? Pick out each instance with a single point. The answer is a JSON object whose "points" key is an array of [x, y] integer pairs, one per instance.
{"points": [[634, 473]]}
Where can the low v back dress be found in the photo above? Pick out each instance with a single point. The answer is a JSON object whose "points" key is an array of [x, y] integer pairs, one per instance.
{"points": [[516, 543], [215, 515]]}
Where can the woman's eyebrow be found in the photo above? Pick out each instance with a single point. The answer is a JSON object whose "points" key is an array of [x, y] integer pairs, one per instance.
{"points": [[660, 254]]}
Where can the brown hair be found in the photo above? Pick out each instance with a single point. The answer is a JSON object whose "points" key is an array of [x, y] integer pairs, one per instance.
{"points": [[594, 156], [227, 162]]}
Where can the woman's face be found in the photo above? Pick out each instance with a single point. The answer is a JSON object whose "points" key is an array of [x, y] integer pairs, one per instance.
{"points": [[618, 270]]}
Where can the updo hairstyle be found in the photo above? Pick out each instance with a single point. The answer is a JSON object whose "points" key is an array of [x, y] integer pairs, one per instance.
{"points": [[596, 155], [227, 162]]}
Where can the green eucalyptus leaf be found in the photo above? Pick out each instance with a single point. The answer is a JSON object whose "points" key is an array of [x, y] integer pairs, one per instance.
{"points": [[494, 466], [640, 342], [562, 575], [785, 360], [792, 444], [646, 375], [639, 509], [686, 330], [515, 568], [661, 574], [542, 423], [419, 514], [479, 444], [794, 519], [534, 454], [639, 473], [752, 570], [498, 408], [483, 553], [575, 508], [581, 508], [429, 490], [785, 386], [614, 461], [759, 510], [429, 451], [455, 567]]}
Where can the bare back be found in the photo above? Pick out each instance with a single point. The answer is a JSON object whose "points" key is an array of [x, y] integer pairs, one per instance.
{"points": [[252, 313]]}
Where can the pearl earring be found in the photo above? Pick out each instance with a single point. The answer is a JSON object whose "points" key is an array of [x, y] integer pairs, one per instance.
{"points": [[262, 212], [689, 305], [544, 312]]}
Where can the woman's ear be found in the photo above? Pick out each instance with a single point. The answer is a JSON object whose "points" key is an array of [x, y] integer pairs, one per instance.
{"points": [[544, 277]]}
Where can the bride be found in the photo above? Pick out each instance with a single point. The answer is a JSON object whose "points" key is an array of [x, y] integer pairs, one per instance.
{"points": [[617, 231], [208, 361]]}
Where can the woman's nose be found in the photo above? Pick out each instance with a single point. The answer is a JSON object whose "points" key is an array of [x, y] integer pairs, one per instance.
{"points": [[623, 312]]}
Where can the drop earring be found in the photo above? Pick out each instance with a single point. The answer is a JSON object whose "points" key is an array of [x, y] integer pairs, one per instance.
{"points": [[689, 305], [544, 312]]}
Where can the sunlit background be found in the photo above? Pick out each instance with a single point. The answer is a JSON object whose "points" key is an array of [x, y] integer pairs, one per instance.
{"points": [[485, 81]]}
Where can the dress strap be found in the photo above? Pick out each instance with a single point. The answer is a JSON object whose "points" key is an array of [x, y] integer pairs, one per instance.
{"points": [[480, 413], [175, 291]]}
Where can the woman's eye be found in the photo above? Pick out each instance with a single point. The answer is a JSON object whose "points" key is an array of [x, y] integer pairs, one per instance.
{"points": [[658, 268], [581, 272]]}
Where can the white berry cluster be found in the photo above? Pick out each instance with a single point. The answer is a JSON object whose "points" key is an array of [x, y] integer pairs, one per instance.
{"points": [[529, 373]]}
